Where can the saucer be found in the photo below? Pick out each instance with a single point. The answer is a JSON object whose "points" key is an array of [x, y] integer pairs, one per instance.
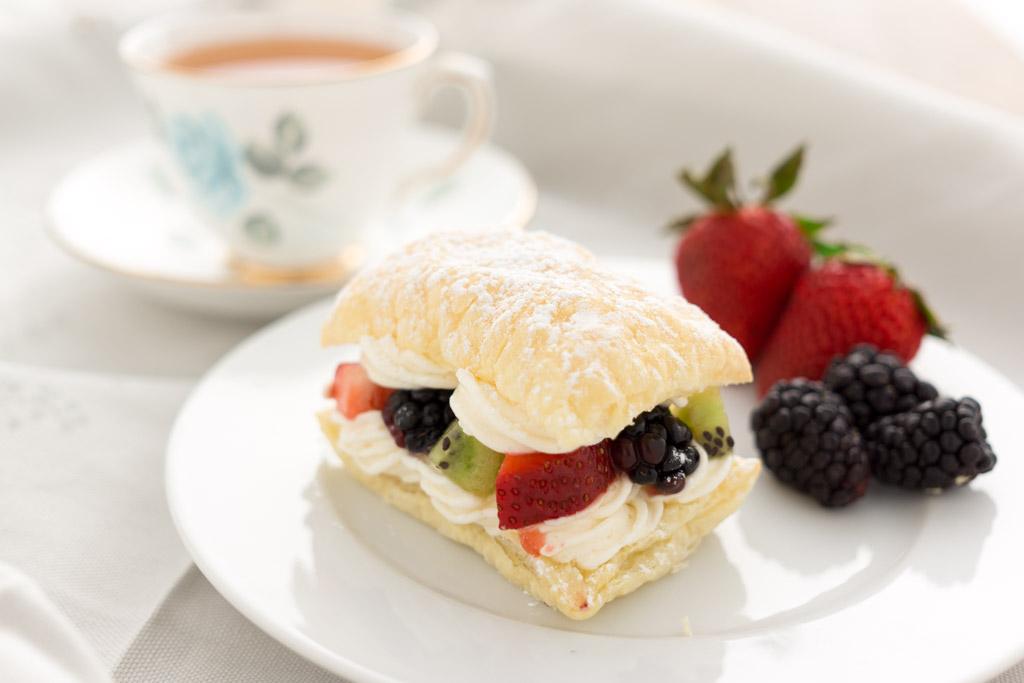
{"points": [[120, 213]]}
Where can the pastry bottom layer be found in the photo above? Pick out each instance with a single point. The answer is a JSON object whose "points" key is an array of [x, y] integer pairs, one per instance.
{"points": [[576, 593]]}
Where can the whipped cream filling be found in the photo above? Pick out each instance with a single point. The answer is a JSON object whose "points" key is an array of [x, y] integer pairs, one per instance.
{"points": [[624, 514], [709, 474], [483, 415], [367, 441], [389, 366]]}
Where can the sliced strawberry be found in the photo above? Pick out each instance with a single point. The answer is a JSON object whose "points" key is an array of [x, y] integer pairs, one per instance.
{"points": [[355, 392], [538, 486], [532, 540]]}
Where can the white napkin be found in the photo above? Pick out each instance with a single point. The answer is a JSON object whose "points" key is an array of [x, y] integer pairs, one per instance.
{"points": [[37, 643], [82, 508]]}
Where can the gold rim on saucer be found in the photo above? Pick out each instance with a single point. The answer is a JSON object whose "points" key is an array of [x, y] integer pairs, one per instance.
{"points": [[338, 268]]}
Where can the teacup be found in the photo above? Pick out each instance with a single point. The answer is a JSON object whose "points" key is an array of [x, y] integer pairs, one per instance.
{"points": [[288, 130]]}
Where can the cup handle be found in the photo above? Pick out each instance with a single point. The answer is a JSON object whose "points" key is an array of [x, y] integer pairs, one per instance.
{"points": [[472, 76]]}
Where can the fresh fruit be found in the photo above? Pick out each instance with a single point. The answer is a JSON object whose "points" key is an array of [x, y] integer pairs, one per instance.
{"points": [[533, 487], [467, 462], [875, 384], [933, 446], [355, 392], [807, 438], [839, 305], [704, 414], [740, 262], [656, 450], [417, 418], [532, 539]]}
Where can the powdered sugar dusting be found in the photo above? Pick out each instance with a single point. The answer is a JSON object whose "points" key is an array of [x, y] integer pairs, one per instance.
{"points": [[573, 351]]}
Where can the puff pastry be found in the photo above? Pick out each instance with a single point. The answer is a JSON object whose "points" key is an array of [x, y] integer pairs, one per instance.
{"points": [[550, 354], [572, 352], [575, 592]]}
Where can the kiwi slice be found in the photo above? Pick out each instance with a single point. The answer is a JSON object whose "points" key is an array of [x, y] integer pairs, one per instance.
{"points": [[704, 414], [467, 462]]}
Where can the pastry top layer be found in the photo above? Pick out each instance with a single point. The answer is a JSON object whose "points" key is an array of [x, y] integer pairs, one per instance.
{"points": [[569, 351]]}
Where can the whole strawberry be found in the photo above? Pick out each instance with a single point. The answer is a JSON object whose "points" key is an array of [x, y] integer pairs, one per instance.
{"points": [[844, 302], [739, 262]]}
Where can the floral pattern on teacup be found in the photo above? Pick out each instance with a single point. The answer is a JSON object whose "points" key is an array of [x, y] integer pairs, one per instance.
{"points": [[278, 159], [209, 159], [262, 229]]}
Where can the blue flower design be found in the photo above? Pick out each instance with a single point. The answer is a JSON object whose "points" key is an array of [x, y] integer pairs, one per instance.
{"points": [[207, 155]]}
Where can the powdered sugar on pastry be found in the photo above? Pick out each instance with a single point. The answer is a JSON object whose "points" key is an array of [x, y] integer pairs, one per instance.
{"points": [[573, 352]]}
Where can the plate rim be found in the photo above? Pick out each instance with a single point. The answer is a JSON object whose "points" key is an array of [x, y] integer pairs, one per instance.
{"points": [[290, 638]]}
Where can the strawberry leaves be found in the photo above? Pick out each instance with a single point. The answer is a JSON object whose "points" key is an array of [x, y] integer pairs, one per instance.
{"points": [[683, 223], [934, 325], [783, 176], [718, 186], [810, 227]]}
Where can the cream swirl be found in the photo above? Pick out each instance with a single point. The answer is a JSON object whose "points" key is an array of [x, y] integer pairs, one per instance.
{"points": [[390, 366], [482, 412], [624, 514], [367, 441], [483, 415]]}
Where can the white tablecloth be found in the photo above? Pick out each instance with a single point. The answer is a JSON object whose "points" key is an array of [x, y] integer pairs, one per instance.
{"points": [[82, 512], [93, 375]]}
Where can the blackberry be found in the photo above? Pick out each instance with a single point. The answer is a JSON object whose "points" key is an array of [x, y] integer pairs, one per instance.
{"points": [[807, 438], [657, 449], [933, 446], [875, 384], [417, 418]]}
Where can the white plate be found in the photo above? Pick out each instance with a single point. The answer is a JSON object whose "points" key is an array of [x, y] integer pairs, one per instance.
{"points": [[898, 587], [120, 213]]}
